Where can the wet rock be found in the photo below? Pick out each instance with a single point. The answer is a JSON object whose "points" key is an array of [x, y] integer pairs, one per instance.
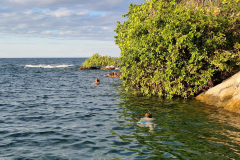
{"points": [[113, 74], [108, 68], [82, 68], [226, 94], [94, 67]]}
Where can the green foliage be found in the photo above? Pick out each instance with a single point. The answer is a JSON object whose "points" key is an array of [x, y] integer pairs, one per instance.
{"points": [[178, 49], [97, 60]]}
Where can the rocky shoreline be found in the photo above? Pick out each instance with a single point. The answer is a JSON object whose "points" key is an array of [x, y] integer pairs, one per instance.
{"points": [[226, 94], [111, 74]]}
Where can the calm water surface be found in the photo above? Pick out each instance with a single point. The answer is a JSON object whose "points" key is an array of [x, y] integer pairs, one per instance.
{"points": [[49, 109]]}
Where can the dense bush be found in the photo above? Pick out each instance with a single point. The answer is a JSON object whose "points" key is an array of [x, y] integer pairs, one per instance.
{"points": [[171, 48], [97, 60]]}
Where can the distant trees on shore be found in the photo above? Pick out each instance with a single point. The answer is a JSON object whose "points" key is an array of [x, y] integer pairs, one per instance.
{"points": [[96, 60]]}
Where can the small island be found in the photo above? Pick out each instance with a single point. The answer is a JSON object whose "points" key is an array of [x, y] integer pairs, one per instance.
{"points": [[96, 61]]}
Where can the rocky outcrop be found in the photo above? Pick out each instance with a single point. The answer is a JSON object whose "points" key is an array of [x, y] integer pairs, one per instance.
{"points": [[91, 68], [226, 94], [82, 68], [94, 67], [113, 75], [108, 68], [97, 67]]}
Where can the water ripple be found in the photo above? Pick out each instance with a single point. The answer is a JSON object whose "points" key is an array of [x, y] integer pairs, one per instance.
{"points": [[57, 113]]}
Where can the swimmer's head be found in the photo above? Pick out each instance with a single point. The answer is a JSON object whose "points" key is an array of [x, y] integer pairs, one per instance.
{"points": [[148, 115]]}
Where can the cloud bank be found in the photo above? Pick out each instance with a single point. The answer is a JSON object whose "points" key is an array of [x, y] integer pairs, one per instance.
{"points": [[61, 19]]}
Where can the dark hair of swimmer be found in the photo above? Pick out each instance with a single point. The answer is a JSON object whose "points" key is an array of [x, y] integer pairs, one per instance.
{"points": [[148, 115]]}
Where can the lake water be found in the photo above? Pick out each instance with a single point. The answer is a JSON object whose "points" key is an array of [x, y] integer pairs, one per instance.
{"points": [[49, 109]]}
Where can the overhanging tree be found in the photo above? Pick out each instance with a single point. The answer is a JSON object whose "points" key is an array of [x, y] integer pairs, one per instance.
{"points": [[179, 48]]}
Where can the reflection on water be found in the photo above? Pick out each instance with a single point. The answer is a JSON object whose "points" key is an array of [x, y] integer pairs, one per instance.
{"points": [[183, 129], [230, 125]]}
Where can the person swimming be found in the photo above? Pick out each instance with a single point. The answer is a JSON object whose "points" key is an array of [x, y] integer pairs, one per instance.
{"points": [[97, 81], [147, 118], [146, 121]]}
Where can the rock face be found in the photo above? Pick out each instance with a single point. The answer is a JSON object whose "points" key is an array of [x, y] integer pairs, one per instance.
{"points": [[92, 68], [226, 94], [113, 75], [82, 68], [108, 68]]}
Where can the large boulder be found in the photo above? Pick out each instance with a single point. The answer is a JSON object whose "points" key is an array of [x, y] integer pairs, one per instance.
{"points": [[82, 68], [113, 74], [108, 68], [94, 67], [91, 68], [226, 94]]}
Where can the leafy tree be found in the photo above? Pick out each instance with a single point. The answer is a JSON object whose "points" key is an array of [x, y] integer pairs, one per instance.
{"points": [[179, 48], [97, 60]]}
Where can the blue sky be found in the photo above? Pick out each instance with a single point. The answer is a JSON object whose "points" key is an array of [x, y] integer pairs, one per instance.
{"points": [[60, 28]]}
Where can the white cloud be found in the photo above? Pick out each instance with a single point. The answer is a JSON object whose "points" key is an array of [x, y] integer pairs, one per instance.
{"points": [[8, 15], [28, 12], [29, 3], [61, 12], [67, 33], [91, 19], [31, 32], [106, 28], [2, 54], [63, 19], [82, 13], [22, 26]]}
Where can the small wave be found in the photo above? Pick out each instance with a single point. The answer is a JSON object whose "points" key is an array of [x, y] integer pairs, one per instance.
{"points": [[47, 66]]}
